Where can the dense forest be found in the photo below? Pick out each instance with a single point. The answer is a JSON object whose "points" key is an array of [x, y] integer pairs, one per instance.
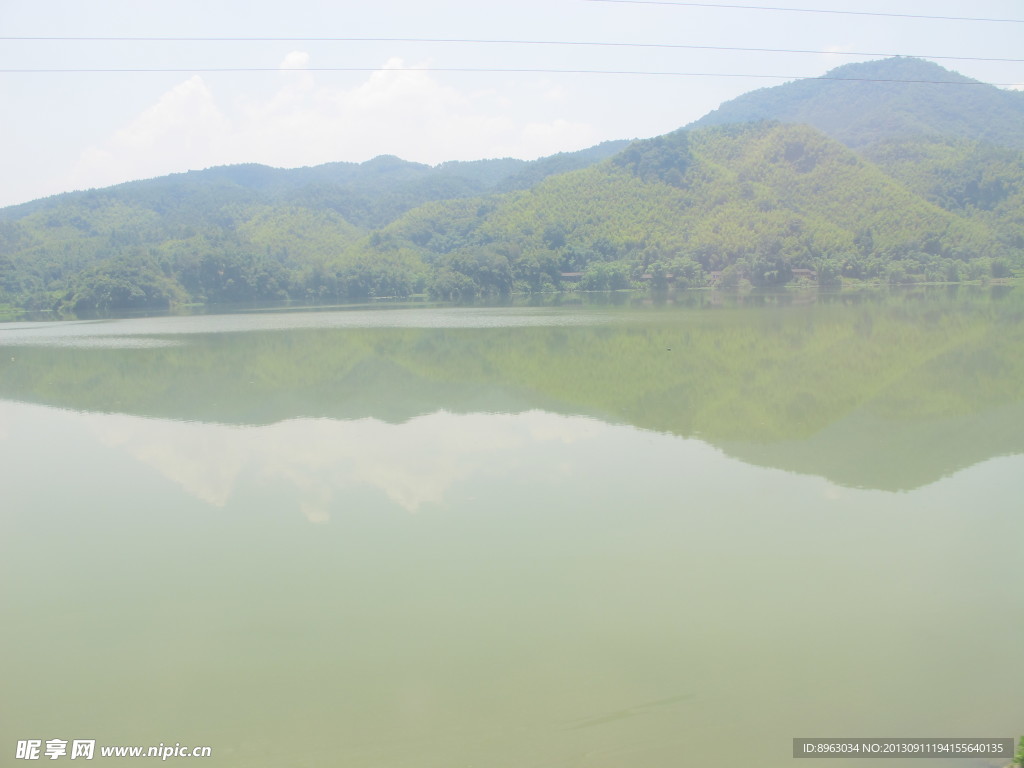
{"points": [[828, 180]]}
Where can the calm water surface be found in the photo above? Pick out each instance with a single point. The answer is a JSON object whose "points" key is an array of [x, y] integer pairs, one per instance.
{"points": [[538, 537]]}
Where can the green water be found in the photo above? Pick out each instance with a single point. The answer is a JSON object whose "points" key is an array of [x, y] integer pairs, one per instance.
{"points": [[556, 537]]}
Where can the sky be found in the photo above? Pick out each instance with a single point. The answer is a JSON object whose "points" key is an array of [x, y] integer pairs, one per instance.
{"points": [[389, 88]]}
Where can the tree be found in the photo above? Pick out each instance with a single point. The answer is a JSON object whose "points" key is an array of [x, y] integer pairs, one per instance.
{"points": [[1000, 268], [120, 284], [450, 285]]}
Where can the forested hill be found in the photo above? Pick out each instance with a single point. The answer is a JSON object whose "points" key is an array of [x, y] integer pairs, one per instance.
{"points": [[763, 202], [891, 99], [369, 194], [939, 197]]}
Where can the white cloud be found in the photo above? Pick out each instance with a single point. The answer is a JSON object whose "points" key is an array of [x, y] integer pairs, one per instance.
{"points": [[296, 60], [414, 464], [294, 73], [398, 109], [184, 129]]}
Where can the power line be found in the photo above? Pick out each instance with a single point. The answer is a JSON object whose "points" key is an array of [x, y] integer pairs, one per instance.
{"points": [[475, 41], [128, 70], [811, 10]]}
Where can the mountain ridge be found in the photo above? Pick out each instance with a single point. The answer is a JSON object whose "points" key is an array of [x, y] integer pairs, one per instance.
{"points": [[861, 103], [924, 186], [475, 176]]}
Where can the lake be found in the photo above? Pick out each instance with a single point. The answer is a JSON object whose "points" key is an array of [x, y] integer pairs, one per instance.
{"points": [[586, 536]]}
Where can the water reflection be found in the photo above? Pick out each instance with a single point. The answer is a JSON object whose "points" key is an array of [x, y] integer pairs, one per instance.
{"points": [[569, 592], [889, 394], [411, 464]]}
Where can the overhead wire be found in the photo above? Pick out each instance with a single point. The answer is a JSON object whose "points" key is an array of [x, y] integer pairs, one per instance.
{"points": [[505, 70], [486, 41], [576, 43], [812, 10]]}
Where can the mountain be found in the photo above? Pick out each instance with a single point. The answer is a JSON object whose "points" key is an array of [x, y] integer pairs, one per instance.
{"points": [[955, 141], [897, 98], [759, 199], [232, 233], [857, 175], [366, 194]]}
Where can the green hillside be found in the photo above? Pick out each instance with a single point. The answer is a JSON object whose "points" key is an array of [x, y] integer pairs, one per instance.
{"points": [[753, 201], [971, 178], [237, 233], [848, 177]]}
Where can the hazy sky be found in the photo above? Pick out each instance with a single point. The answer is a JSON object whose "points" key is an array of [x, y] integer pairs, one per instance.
{"points": [[75, 130]]}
